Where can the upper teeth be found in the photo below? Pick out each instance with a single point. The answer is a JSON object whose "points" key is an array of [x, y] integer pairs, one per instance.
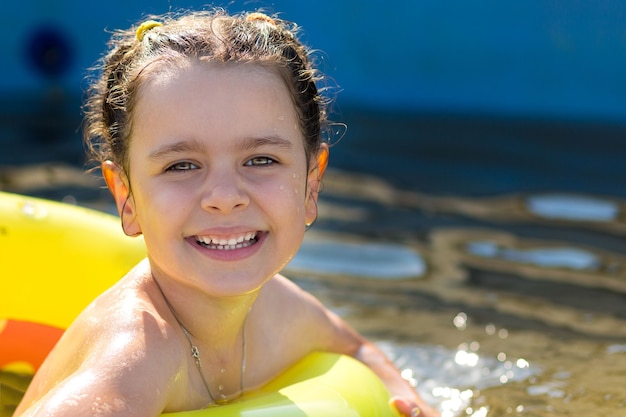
{"points": [[231, 241]]}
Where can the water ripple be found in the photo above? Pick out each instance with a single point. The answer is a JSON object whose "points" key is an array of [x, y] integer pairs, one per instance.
{"points": [[573, 207]]}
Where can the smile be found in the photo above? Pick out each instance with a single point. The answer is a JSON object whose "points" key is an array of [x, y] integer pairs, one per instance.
{"points": [[230, 243]]}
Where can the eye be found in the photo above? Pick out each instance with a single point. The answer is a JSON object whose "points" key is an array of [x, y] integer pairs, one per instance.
{"points": [[260, 161], [182, 166]]}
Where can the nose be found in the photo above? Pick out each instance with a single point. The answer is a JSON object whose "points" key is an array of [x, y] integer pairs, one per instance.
{"points": [[224, 193]]}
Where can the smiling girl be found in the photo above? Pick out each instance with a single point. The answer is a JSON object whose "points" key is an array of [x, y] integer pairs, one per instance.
{"points": [[208, 129]]}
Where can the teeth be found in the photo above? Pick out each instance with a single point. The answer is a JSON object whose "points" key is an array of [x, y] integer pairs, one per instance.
{"points": [[238, 242]]}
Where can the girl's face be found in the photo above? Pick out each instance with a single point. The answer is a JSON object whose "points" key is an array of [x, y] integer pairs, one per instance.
{"points": [[218, 173]]}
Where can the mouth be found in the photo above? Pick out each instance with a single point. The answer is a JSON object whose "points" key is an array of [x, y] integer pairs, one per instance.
{"points": [[233, 242]]}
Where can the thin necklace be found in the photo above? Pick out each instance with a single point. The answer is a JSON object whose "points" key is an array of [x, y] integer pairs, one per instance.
{"points": [[195, 354]]}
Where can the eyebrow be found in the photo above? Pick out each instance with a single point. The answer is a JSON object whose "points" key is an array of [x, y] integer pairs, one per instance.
{"points": [[270, 141], [182, 146], [250, 144]]}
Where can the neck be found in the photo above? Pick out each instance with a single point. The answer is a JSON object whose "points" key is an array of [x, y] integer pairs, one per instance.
{"points": [[222, 352], [214, 321]]}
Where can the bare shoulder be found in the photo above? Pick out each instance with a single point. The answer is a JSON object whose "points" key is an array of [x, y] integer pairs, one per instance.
{"points": [[281, 287], [283, 298], [106, 357], [302, 319]]}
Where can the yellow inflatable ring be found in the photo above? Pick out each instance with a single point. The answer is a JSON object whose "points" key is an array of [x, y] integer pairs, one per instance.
{"points": [[45, 249]]}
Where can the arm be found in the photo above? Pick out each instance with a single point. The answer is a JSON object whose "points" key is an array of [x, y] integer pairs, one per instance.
{"points": [[104, 370], [404, 397], [83, 394], [324, 330], [104, 384]]}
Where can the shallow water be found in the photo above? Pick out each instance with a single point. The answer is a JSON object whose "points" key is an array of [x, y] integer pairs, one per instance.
{"points": [[486, 257], [520, 309]]}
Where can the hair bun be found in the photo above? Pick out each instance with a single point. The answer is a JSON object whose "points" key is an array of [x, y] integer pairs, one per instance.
{"points": [[260, 17]]}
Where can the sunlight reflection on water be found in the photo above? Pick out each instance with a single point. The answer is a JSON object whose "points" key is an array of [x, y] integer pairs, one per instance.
{"points": [[448, 378], [366, 260], [560, 257], [573, 207]]}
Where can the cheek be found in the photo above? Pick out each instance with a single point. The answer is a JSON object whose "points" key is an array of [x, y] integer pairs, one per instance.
{"points": [[158, 203], [293, 190], [299, 186]]}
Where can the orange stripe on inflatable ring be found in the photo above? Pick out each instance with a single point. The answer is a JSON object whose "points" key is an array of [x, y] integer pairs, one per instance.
{"points": [[23, 341]]}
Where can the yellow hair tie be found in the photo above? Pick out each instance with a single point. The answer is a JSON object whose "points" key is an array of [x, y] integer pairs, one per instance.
{"points": [[144, 27]]}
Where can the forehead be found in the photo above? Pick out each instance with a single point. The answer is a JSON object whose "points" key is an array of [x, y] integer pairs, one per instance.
{"points": [[207, 99], [159, 77]]}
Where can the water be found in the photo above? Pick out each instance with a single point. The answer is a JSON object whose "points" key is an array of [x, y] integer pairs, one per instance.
{"points": [[486, 257]]}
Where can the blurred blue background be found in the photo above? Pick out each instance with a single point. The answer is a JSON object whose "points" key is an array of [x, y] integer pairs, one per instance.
{"points": [[550, 58], [457, 97]]}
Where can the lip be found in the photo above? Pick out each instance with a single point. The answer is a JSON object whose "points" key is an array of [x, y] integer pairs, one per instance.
{"points": [[228, 245]]}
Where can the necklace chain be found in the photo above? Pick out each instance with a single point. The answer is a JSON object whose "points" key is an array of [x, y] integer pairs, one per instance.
{"points": [[195, 353]]}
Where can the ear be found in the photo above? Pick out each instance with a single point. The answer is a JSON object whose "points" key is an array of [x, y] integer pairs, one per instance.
{"points": [[120, 189], [314, 182]]}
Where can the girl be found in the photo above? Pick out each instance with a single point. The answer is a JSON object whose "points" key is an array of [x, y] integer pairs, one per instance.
{"points": [[208, 131]]}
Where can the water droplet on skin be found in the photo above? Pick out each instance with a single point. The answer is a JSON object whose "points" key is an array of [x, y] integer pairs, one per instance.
{"points": [[221, 388]]}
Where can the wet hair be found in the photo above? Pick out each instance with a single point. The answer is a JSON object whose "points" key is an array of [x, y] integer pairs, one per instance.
{"points": [[170, 42]]}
